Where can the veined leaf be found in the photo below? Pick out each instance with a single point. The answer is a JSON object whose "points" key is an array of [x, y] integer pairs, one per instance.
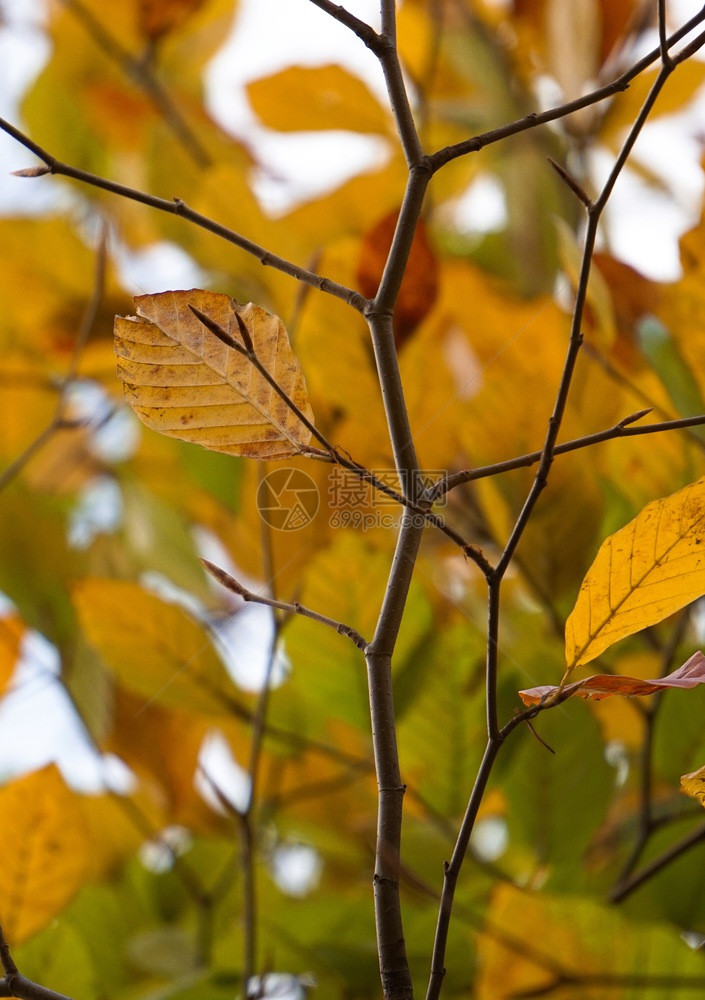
{"points": [[599, 686], [45, 848], [647, 570], [181, 380]]}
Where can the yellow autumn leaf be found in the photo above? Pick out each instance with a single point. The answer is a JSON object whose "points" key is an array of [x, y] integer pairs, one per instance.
{"points": [[674, 98], [647, 570], [693, 784], [315, 98], [12, 632], [44, 846], [153, 648], [183, 381]]}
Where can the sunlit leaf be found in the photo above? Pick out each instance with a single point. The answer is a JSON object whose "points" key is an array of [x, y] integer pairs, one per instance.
{"points": [[45, 847], [646, 571], [154, 648], [182, 380], [306, 98], [674, 98], [689, 675]]}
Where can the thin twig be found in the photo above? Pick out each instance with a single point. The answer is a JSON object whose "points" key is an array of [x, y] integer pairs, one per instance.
{"points": [[648, 823], [396, 88], [619, 430], [530, 121], [180, 208], [663, 36], [293, 608], [629, 885], [25, 989]]}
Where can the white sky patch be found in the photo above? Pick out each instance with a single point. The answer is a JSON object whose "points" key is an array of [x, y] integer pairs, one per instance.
{"points": [[7, 606], [489, 839], [244, 641], [99, 510], [280, 986], [217, 766], [158, 854], [163, 587], [117, 438], [617, 757], [483, 207], [298, 166], [296, 869], [38, 725], [158, 267], [114, 431]]}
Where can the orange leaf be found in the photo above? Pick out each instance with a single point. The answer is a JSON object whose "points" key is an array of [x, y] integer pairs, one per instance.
{"points": [[159, 17], [44, 847], [420, 285], [183, 381], [11, 635], [601, 686]]}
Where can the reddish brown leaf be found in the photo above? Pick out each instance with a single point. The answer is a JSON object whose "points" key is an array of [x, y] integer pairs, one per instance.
{"points": [[159, 17], [420, 285], [633, 297], [599, 686]]}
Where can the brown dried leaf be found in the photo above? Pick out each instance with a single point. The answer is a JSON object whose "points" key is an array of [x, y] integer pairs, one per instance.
{"points": [[599, 686], [181, 380]]}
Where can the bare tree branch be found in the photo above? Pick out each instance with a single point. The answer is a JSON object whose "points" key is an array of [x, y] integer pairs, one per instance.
{"points": [[497, 736], [293, 608], [443, 156], [619, 430], [180, 208], [629, 885]]}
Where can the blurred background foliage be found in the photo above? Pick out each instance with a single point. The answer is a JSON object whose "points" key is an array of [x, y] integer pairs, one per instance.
{"points": [[120, 660]]}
